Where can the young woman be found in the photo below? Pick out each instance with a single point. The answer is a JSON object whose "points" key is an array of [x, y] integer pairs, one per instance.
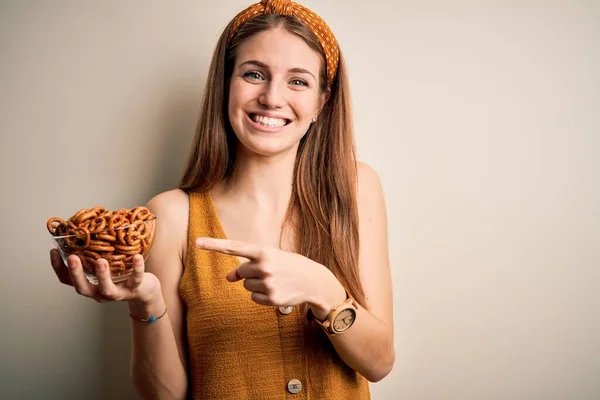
{"points": [[271, 257]]}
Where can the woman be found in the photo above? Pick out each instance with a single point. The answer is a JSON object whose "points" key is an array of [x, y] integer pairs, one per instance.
{"points": [[273, 287]]}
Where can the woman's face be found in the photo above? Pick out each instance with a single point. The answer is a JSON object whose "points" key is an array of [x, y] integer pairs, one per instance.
{"points": [[274, 92]]}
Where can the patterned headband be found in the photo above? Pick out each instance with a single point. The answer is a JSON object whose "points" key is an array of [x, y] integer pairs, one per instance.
{"points": [[306, 16]]}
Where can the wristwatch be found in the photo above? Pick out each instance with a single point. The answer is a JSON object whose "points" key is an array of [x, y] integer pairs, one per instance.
{"points": [[340, 318]]}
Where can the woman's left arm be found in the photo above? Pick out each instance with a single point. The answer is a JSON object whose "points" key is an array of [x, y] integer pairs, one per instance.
{"points": [[368, 346]]}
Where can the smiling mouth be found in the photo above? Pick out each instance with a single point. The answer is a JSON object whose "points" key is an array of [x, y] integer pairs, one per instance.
{"points": [[268, 121]]}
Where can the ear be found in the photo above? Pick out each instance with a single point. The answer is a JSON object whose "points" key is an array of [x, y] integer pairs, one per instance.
{"points": [[323, 99]]}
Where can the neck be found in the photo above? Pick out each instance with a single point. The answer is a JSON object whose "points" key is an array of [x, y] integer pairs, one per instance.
{"points": [[263, 181]]}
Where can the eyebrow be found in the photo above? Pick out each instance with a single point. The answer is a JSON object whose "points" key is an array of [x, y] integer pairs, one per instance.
{"points": [[265, 66]]}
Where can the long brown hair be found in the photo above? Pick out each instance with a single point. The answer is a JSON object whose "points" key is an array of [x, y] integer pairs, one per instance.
{"points": [[323, 210]]}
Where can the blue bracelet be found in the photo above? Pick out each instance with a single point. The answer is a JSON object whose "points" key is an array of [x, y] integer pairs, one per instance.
{"points": [[150, 320]]}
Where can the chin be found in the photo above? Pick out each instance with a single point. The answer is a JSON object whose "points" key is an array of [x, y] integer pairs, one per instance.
{"points": [[268, 149]]}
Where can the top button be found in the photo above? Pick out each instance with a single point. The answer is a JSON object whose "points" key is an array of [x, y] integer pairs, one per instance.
{"points": [[286, 310], [294, 386]]}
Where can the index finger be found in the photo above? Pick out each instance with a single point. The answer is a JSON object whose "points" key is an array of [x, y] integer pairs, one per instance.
{"points": [[232, 247]]}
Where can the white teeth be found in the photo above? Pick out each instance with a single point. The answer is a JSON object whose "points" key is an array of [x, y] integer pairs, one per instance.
{"points": [[266, 121]]}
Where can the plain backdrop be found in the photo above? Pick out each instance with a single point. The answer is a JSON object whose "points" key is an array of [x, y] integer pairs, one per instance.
{"points": [[481, 117]]}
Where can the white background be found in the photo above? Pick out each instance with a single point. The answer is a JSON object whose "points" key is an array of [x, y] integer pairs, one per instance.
{"points": [[482, 119]]}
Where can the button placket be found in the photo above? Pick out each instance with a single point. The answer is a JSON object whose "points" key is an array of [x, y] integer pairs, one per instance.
{"points": [[291, 334]]}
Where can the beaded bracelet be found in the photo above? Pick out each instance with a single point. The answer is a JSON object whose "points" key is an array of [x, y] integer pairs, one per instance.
{"points": [[150, 320]]}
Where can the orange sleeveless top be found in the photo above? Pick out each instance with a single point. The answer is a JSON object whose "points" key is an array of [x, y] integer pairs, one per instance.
{"points": [[239, 350]]}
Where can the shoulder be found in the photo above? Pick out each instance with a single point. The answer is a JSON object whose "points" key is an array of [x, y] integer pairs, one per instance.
{"points": [[171, 209], [369, 183], [170, 206], [370, 196]]}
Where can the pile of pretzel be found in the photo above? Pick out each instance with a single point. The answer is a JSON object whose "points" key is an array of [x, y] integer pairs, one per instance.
{"points": [[96, 233]]}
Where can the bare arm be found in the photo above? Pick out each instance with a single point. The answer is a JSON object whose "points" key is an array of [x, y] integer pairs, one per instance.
{"points": [[158, 366], [158, 359], [368, 347]]}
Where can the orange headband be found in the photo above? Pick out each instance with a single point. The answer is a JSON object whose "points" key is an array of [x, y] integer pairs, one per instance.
{"points": [[306, 16]]}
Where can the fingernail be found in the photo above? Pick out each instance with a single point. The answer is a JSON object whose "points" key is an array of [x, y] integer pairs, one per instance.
{"points": [[199, 242]]}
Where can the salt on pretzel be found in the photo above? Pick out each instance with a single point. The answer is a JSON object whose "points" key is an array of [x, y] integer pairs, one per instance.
{"points": [[115, 235]]}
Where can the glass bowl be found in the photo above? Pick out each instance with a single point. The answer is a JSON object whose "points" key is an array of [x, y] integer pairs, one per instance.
{"points": [[118, 245]]}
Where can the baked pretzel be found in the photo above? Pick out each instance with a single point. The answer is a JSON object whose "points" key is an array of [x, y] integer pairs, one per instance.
{"points": [[97, 233]]}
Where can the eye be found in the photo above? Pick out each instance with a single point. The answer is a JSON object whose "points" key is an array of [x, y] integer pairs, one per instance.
{"points": [[298, 82], [253, 75]]}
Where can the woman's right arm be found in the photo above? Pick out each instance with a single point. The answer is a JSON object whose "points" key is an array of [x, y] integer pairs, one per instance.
{"points": [[158, 358]]}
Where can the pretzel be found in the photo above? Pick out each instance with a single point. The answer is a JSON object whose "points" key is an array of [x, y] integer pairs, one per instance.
{"points": [[115, 235]]}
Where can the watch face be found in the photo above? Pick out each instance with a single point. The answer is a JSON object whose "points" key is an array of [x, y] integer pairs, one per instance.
{"points": [[344, 320]]}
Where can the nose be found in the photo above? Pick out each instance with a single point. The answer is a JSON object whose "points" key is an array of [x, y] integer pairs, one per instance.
{"points": [[272, 96]]}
